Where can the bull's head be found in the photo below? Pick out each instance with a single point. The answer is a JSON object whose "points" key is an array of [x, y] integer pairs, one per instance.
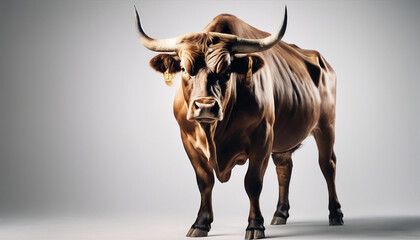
{"points": [[206, 61]]}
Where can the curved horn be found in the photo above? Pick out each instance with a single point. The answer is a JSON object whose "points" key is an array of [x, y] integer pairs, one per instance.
{"points": [[244, 45], [157, 45]]}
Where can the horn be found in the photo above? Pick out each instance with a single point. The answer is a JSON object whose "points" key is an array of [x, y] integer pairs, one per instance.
{"points": [[157, 45], [244, 45]]}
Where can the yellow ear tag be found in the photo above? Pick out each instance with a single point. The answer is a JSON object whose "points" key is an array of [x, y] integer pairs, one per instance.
{"points": [[249, 73], [169, 77]]}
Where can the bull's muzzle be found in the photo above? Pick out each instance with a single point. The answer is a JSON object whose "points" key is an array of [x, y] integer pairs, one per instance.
{"points": [[205, 109]]}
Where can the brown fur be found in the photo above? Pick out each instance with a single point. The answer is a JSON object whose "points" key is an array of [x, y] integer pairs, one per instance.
{"points": [[292, 96]]}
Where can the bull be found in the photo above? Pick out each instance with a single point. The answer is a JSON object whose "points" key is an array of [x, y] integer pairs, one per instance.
{"points": [[246, 95]]}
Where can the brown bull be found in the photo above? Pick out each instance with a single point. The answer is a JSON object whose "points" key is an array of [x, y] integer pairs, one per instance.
{"points": [[233, 105]]}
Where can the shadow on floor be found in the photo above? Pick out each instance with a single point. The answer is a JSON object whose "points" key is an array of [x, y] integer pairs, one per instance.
{"points": [[386, 227]]}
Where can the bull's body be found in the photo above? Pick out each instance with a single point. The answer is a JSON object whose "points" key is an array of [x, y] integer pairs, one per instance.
{"points": [[290, 98], [282, 108]]}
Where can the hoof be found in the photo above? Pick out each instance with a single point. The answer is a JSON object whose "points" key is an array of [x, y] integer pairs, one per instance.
{"points": [[196, 232], [336, 221], [254, 234], [278, 221], [336, 217]]}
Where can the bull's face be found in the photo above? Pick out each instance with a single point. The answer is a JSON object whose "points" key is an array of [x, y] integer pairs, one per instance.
{"points": [[206, 62], [206, 66]]}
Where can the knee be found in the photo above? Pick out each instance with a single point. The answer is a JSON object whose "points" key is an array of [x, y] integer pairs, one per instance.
{"points": [[327, 164], [253, 186], [333, 157], [204, 184]]}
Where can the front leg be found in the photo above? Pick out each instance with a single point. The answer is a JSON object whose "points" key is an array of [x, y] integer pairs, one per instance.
{"points": [[258, 159], [205, 181], [202, 224], [253, 187]]}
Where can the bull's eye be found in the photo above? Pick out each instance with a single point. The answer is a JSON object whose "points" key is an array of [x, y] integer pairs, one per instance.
{"points": [[228, 72], [225, 76], [184, 73]]}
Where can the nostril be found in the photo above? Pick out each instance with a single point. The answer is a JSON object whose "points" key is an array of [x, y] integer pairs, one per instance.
{"points": [[215, 109], [196, 105]]}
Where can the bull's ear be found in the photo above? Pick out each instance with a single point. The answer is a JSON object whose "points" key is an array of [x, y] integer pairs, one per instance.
{"points": [[164, 62], [241, 64]]}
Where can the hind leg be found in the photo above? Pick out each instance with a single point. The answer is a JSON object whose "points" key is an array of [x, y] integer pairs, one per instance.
{"points": [[324, 137], [284, 165]]}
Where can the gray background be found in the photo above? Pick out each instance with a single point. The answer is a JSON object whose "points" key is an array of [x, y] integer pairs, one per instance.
{"points": [[87, 129]]}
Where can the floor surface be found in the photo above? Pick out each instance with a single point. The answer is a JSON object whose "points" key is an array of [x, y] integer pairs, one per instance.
{"points": [[171, 228]]}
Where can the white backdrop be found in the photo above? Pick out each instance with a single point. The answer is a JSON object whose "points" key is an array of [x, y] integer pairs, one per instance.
{"points": [[87, 127]]}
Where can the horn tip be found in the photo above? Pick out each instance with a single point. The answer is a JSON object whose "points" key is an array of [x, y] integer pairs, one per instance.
{"points": [[285, 11], [136, 15], [283, 30]]}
